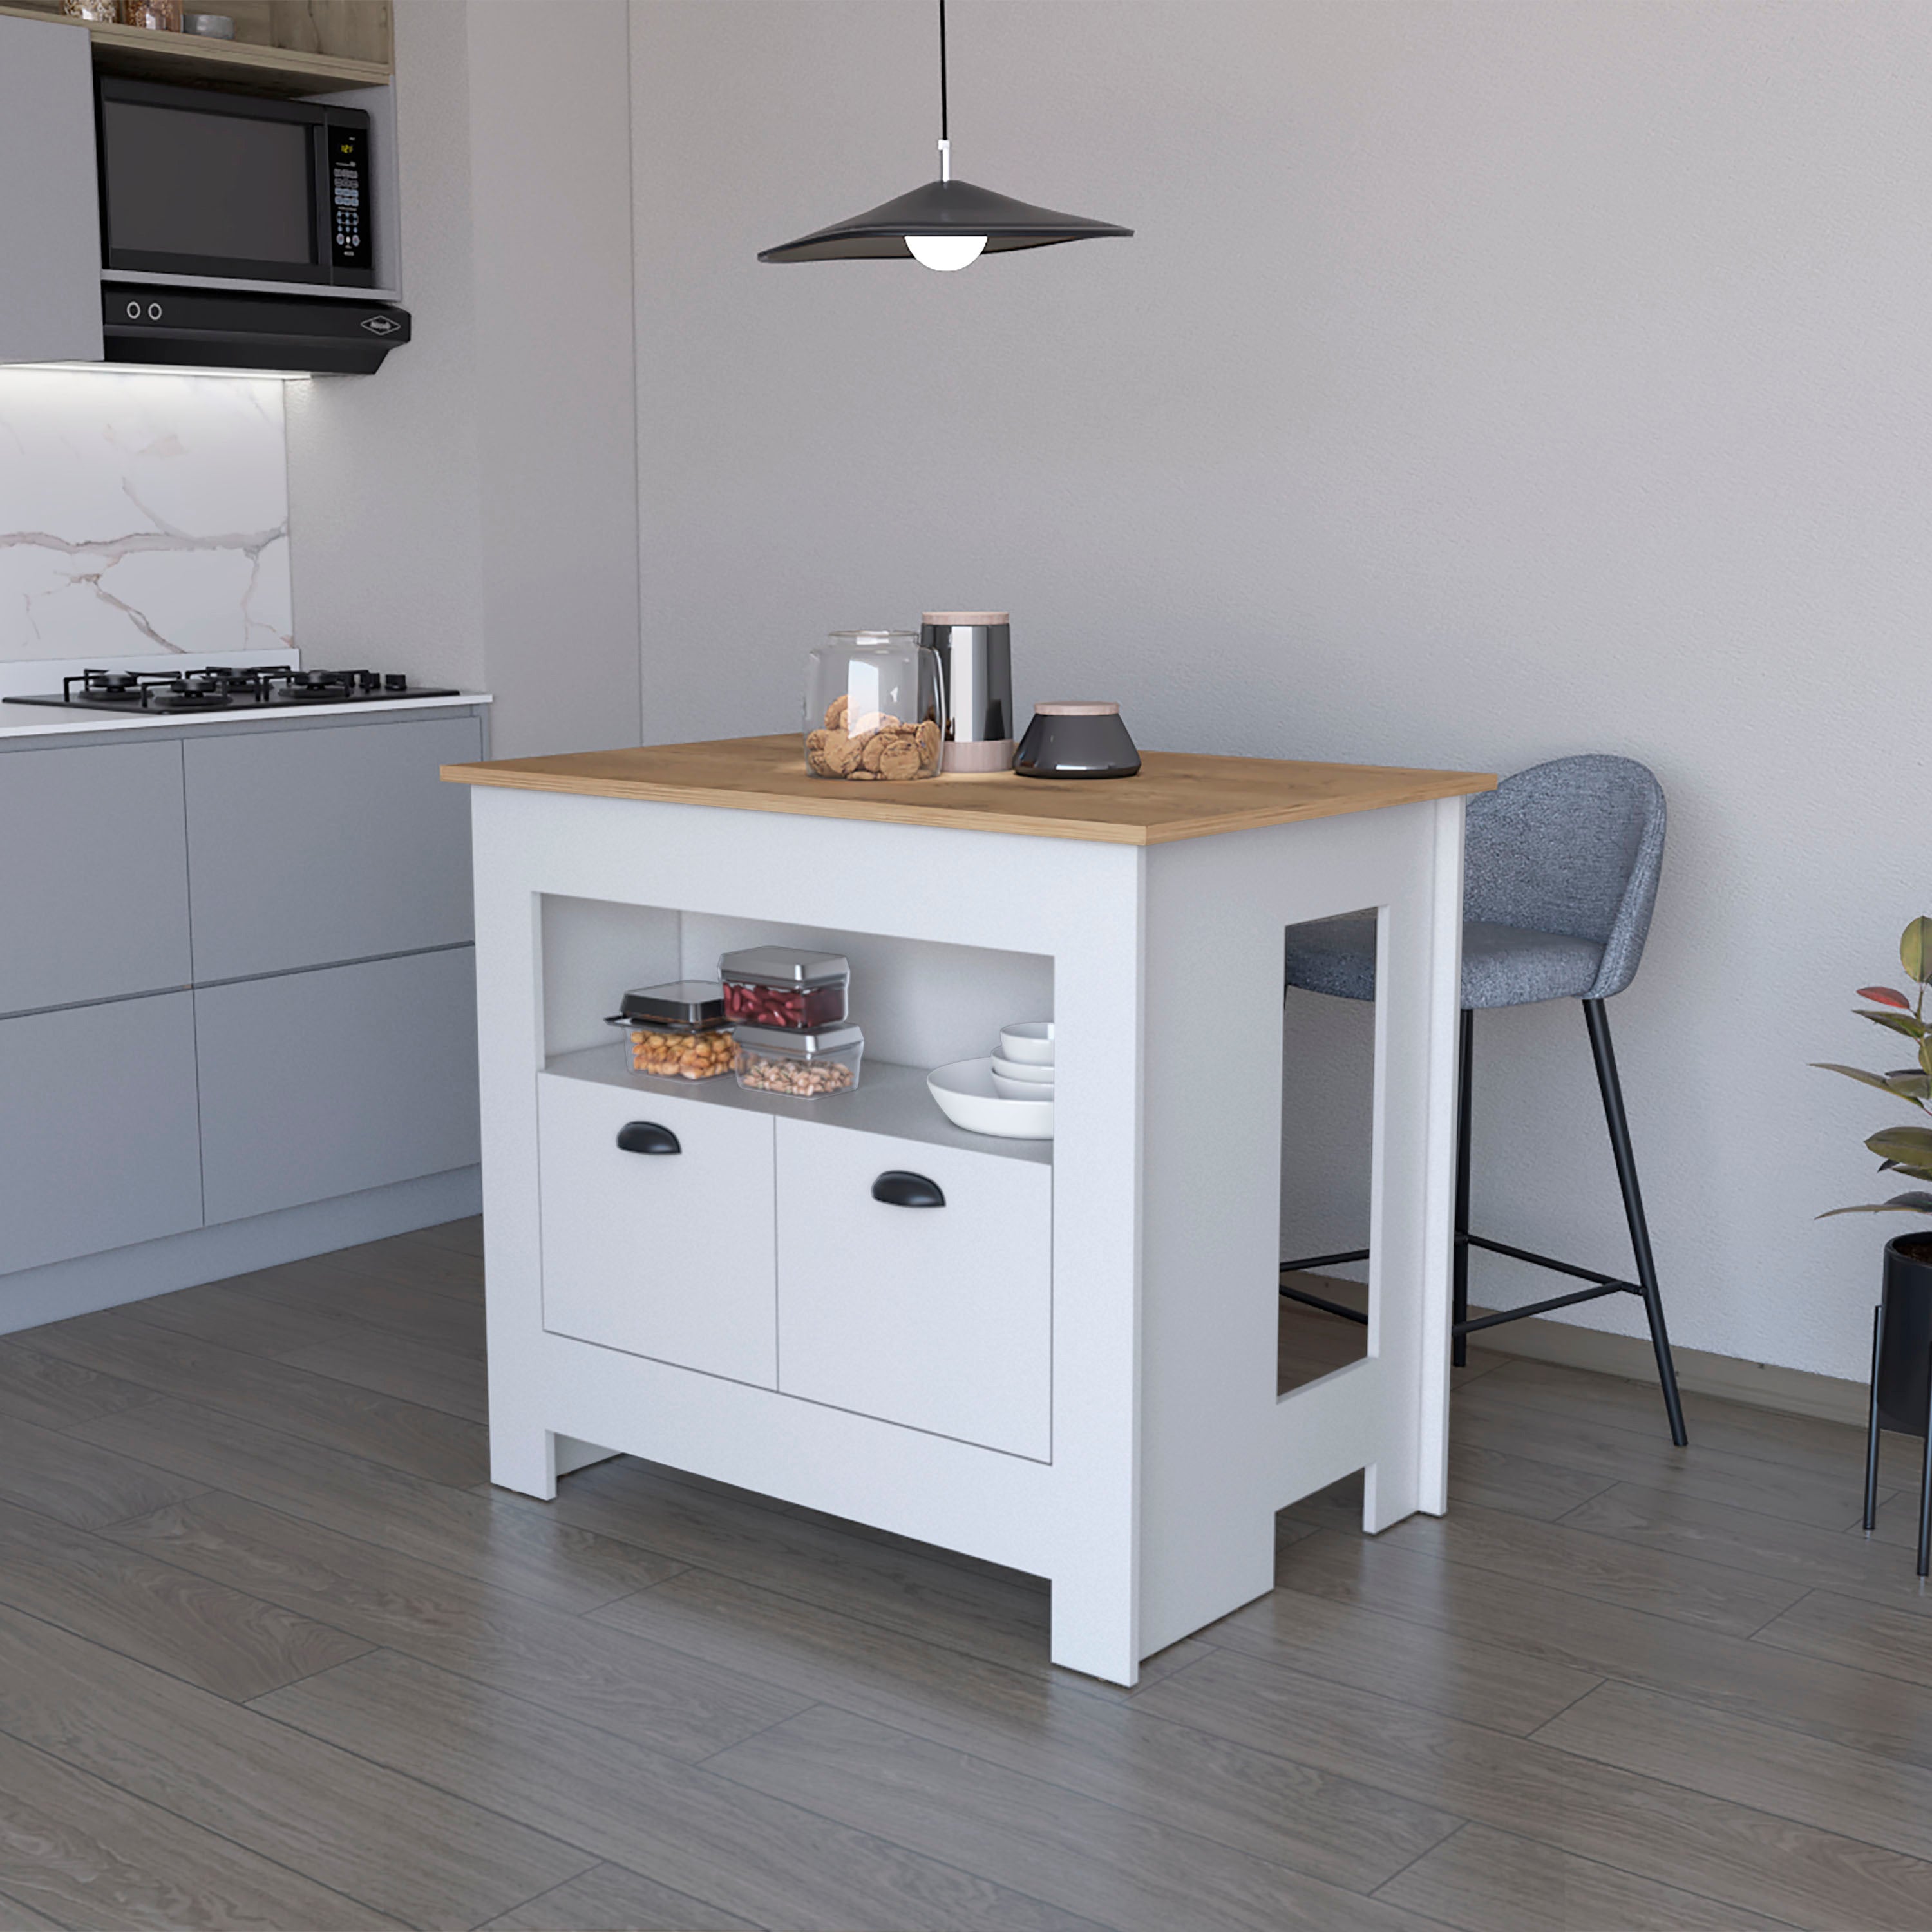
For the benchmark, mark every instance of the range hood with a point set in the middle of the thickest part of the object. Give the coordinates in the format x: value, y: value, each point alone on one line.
x: 158, y: 325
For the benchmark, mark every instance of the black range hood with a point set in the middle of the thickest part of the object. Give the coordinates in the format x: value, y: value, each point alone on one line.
x: 202, y: 328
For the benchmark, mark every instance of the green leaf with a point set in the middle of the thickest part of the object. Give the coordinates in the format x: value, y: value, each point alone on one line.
x: 1910, y: 1084
x: 1880, y: 1080
x: 1916, y: 1203
x: 1883, y: 996
x: 1915, y: 950
x: 1909, y: 1146
x: 1899, y: 1167
x: 1903, y: 1023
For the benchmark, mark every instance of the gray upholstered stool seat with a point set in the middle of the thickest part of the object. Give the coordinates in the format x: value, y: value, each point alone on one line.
x: 1502, y: 965
x: 1561, y: 867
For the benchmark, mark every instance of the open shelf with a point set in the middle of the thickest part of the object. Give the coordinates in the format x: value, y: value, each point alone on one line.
x: 249, y: 64
x: 889, y: 1099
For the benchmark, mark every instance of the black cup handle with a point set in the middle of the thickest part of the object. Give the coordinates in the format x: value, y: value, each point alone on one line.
x: 647, y: 1137
x: 898, y: 1188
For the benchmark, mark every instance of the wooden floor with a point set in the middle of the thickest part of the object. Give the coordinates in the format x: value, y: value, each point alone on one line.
x: 274, y: 1655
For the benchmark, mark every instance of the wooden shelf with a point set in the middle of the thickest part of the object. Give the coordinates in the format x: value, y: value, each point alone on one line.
x: 244, y: 65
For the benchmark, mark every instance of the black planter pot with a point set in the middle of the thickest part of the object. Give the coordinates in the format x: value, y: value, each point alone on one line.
x: 1901, y: 1387
x: 1905, y: 1347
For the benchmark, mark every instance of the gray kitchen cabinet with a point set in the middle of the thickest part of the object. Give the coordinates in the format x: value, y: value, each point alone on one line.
x: 342, y: 843
x: 97, y: 1144
x: 94, y: 870
x: 320, y: 1084
x: 50, y: 212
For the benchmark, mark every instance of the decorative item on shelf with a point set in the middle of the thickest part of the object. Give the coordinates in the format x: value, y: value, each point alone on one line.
x: 1901, y: 1383
x: 209, y: 26
x: 775, y: 986
x: 974, y: 649
x: 1079, y: 738
x: 1009, y: 1095
x: 807, y: 1065
x: 678, y: 1031
x: 946, y: 224
x: 160, y: 16
x: 95, y: 13
x: 872, y: 707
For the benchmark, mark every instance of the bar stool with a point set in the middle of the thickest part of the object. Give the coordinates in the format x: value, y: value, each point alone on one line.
x: 1560, y: 865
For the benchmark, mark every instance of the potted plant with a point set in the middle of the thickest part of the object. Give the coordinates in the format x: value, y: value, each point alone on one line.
x: 1902, y: 1334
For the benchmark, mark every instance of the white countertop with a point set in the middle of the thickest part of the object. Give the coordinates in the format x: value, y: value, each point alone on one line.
x: 33, y: 721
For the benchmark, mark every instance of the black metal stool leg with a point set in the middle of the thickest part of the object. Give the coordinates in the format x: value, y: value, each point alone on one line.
x: 1598, y: 1020
x: 1459, y: 1352
x: 1871, y: 1425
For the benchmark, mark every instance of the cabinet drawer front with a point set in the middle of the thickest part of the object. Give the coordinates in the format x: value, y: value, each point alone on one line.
x: 940, y: 1318
x: 97, y: 1145
x: 373, y: 849
x: 95, y: 876
x: 667, y: 1255
x: 314, y: 1085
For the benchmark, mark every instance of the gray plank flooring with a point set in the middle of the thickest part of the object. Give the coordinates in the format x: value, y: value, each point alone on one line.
x: 274, y: 1655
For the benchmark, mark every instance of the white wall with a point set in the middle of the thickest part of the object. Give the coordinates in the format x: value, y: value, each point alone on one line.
x: 469, y: 514
x: 1484, y: 383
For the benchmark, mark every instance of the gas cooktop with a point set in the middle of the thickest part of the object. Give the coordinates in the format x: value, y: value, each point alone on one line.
x: 221, y: 688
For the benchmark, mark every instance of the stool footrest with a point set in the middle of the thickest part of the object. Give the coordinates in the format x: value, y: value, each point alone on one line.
x: 1544, y: 1307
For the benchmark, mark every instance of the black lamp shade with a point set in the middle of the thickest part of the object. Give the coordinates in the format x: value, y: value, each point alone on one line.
x: 941, y: 207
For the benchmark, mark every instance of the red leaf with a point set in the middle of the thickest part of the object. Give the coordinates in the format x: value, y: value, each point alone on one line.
x: 1886, y: 997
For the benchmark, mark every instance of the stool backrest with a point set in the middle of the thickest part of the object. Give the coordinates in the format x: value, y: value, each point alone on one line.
x: 1575, y: 847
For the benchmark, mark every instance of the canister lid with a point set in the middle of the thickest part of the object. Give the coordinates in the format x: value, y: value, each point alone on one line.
x: 690, y: 1002
x: 786, y: 1039
x: 965, y: 616
x: 780, y: 966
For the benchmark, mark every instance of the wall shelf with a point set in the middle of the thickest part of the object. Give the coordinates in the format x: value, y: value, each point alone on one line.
x: 188, y: 59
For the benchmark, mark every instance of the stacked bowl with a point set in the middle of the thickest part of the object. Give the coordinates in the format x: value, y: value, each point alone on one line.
x: 1010, y: 1094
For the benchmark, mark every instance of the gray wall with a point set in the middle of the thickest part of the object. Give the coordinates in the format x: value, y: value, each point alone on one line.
x: 1485, y: 383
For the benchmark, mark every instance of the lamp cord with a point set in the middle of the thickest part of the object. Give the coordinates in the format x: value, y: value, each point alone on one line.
x: 944, y: 131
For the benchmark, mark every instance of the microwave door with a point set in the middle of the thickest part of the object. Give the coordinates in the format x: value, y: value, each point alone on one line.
x: 200, y: 184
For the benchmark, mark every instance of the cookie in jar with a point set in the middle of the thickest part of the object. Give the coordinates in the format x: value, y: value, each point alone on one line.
x: 872, y: 708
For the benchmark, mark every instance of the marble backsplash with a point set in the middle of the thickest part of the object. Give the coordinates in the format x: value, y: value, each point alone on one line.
x: 141, y: 514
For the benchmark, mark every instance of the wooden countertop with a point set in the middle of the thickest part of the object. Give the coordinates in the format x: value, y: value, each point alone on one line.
x: 1176, y: 795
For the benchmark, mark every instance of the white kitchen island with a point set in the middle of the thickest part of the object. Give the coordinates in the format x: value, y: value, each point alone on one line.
x: 1069, y: 1369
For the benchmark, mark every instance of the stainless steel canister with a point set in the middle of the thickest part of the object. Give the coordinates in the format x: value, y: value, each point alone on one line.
x: 976, y: 660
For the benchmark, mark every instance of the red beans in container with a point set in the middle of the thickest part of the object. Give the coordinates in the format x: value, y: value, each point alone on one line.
x: 773, y: 986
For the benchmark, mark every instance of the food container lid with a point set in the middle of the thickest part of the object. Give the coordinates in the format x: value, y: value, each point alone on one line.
x: 787, y: 1039
x: 687, y: 1003
x: 778, y: 966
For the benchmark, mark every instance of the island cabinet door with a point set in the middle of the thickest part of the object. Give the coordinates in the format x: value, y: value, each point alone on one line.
x: 940, y: 1317
x: 657, y: 1226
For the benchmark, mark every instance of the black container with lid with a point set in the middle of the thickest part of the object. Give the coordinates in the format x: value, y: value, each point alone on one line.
x: 681, y: 1003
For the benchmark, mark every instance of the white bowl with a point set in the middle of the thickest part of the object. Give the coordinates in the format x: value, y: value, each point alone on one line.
x: 1011, y: 1088
x: 965, y: 1094
x: 1030, y: 1041
x: 1018, y: 1069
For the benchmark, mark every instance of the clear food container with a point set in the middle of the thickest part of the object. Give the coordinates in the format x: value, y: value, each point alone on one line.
x: 873, y: 709
x: 805, y: 1064
x: 773, y: 986
x: 678, y: 1031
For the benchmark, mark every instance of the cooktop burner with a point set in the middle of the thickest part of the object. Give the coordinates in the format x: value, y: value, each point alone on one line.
x: 223, y: 688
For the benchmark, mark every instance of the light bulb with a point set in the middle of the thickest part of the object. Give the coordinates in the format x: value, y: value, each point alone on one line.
x: 945, y: 252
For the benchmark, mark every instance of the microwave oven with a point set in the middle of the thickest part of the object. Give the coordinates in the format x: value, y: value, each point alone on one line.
x: 196, y: 185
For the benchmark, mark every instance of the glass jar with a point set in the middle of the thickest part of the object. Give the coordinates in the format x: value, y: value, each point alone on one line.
x: 97, y: 13
x: 163, y: 16
x: 873, y: 709
x: 773, y: 986
x: 805, y: 1065
x: 678, y: 1031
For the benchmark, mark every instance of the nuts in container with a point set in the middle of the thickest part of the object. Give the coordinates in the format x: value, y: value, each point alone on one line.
x: 872, y: 707
x: 678, y: 1031
x: 805, y: 1065
x: 773, y: 986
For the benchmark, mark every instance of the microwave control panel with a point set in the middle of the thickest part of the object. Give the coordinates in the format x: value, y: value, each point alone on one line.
x: 350, y: 243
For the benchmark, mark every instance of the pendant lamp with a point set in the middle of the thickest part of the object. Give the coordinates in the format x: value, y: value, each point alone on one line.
x: 946, y: 224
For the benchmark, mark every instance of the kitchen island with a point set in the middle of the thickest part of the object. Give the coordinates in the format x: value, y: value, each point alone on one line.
x: 1069, y: 1369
